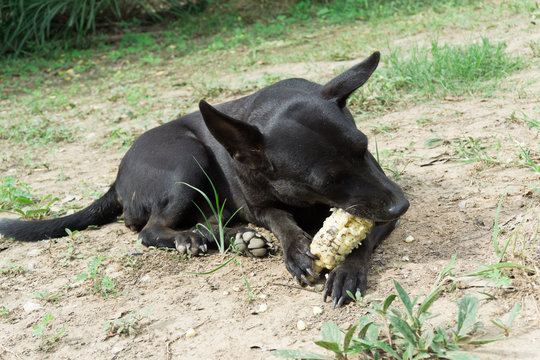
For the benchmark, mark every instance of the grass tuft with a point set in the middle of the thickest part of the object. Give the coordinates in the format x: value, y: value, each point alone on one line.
x: 454, y: 69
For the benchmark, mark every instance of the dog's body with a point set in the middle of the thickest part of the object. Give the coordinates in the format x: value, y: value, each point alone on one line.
x: 284, y: 155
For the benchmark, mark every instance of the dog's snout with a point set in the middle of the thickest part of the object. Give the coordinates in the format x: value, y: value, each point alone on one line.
x: 398, y: 209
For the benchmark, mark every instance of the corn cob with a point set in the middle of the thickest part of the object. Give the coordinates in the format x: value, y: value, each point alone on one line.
x: 340, y: 234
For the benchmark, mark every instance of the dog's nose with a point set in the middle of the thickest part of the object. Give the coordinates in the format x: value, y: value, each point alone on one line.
x: 398, y: 209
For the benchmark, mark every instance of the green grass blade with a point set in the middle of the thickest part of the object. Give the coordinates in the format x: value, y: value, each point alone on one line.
x: 428, y: 301
x: 213, y: 270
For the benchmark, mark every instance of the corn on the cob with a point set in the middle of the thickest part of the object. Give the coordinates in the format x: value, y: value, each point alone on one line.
x: 340, y: 234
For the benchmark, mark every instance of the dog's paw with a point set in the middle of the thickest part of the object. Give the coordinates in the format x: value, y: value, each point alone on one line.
x: 299, y: 259
x: 251, y: 243
x: 342, y: 279
x: 190, y: 242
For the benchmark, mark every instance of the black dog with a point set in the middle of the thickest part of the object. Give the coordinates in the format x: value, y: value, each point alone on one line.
x: 285, y: 155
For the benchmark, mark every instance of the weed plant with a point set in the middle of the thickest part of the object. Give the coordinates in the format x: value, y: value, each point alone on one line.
x: 100, y: 283
x: 404, y: 334
x: 128, y: 324
x: 217, y: 208
x: 47, y: 338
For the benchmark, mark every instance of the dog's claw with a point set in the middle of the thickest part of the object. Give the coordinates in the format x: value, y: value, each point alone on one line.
x: 311, y: 256
x: 203, y: 248
x: 305, y: 280
x: 312, y: 274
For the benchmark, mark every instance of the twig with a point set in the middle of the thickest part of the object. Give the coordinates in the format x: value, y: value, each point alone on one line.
x: 295, y: 287
x: 167, y: 346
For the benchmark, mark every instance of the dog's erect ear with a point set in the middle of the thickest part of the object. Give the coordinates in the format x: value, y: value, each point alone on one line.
x: 243, y: 141
x: 339, y: 88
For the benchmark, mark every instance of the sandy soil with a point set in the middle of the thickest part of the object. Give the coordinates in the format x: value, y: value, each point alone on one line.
x: 453, y: 207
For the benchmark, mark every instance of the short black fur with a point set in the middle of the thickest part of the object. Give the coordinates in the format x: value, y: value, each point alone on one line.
x: 285, y: 155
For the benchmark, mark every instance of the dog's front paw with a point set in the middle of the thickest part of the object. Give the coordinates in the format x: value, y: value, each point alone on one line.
x: 299, y: 259
x: 345, y: 277
x: 190, y: 242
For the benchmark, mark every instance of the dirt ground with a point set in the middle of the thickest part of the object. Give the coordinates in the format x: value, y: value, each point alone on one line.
x: 453, y: 207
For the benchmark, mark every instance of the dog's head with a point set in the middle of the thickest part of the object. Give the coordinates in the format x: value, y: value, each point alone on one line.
x: 301, y: 138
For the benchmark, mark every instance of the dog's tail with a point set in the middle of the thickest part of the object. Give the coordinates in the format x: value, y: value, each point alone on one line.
x: 102, y: 211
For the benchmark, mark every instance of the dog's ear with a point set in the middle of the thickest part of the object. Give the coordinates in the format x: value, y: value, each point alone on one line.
x: 342, y: 86
x: 244, y: 142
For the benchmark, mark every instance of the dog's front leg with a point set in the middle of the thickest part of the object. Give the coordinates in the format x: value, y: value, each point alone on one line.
x: 351, y: 275
x: 294, y: 241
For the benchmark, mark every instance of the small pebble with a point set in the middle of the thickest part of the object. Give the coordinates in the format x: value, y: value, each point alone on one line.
x: 31, y: 306
x: 317, y: 311
x: 262, y: 308
x: 462, y: 204
x: 405, y: 258
x: 225, y: 293
x: 236, y: 289
x: 409, y: 239
x: 33, y: 252
x: 190, y: 333
x: 301, y: 325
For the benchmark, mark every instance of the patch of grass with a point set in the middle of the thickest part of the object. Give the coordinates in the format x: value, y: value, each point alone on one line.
x: 391, y: 162
x: 469, y: 150
x: 41, y: 131
x: 528, y: 158
x: 10, y: 268
x: 46, y: 296
x: 127, y: 324
x: 403, y: 334
x: 521, y: 116
x: 15, y: 197
x: 99, y: 282
x: 501, y: 272
x: 454, y: 69
x: 48, y: 338
x: 435, y: 72
x: 122, y: 138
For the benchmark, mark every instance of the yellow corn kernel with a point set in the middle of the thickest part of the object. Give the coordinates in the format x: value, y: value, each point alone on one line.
x: 340, y: 234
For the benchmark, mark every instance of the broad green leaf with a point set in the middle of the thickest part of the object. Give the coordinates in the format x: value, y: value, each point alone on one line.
x: 299, y: 354
x: 385, y: 347
x: 513, y: 314
x: 364, y: 326
x: 331, y: 333
x: 388, y: 301
x: 428, y: 301
x: 483, y: 341
x: 404, y: 328
x: 348, y: 337
x: 467, y: 313
x: 404, y: 297
x: 329, y: 345
x: 458, y: 355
